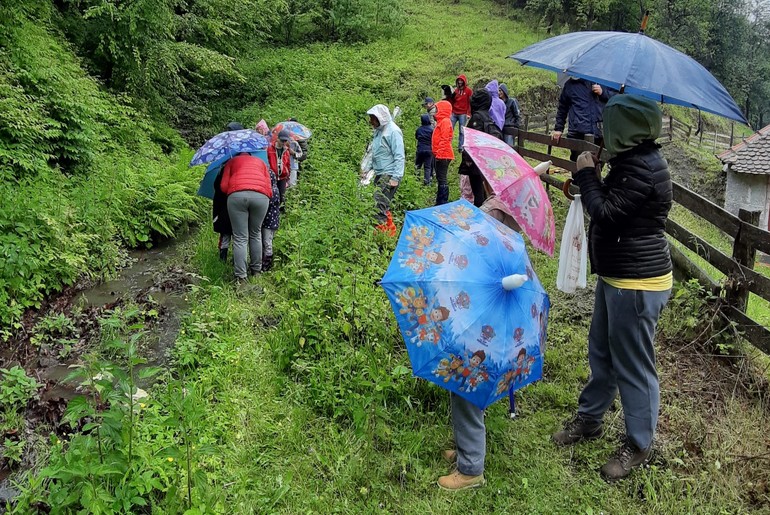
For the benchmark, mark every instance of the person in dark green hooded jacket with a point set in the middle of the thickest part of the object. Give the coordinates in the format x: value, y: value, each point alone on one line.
x: 629, y: 252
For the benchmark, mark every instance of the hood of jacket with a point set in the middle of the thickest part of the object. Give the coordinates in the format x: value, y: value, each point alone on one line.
x: 481, y: 100
x: 493, y: 88
x: 382, y: 113
x: 443, y: 110
x: 463, y: 78
x: 425, y: 119
x: 505, y: 91
x: 629, y: 120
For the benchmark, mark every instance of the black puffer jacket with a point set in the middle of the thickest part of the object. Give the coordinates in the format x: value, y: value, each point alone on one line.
x: 480, y: 120
x: 628, y: 214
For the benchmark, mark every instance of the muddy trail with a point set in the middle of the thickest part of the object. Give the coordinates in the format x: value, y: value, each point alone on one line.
x: 71, y: 327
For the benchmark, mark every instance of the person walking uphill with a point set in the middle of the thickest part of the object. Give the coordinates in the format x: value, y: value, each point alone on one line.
x: 629, y: 252
x: 388, y: 163
x: 424, y: 156
x: 441, y: 146
x: 246, y: 181
x: 461, y: 106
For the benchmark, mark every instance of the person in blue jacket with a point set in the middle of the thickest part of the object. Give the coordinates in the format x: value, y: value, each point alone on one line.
x: 387, y: 162
x: 581, y: 103
x: 424, y: 156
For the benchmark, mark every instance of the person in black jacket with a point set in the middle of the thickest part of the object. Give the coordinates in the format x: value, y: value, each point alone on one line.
x: 582, y: 103
x: 221, y: 218
x: 424, y: 156
x: 480, y: 120
x: 512, y: 112
x: 629, y: 252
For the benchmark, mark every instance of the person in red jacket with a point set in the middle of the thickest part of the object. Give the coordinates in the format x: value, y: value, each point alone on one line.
x: 279, y: 155
x: 246, y: 182
x: 441, y: 145
x: 461, y: 106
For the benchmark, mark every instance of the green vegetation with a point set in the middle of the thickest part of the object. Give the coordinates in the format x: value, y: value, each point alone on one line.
x: 299, y: 398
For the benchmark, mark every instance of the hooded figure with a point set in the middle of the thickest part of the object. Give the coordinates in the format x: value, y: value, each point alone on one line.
x: 234, y: 126
x: 480, y: 120
x: 387, y: 144
x: 629, y: 251
x: 512, y: 111
x: 497, y: 110
x: 423, y: 158
x: 262, y: 128
x: 442, y: 149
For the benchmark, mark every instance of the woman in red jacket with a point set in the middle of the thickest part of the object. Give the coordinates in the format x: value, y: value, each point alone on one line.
x: 441, y: 144
x: 246, y: 182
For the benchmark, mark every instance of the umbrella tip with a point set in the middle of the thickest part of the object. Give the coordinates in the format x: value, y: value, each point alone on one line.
x: 511, y: 282
x: 543, y: 167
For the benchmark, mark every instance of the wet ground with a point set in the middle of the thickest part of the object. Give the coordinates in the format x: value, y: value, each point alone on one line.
x: 70, y: 325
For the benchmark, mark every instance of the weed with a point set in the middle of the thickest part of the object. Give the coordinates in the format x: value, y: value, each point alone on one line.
x: 16, y: 388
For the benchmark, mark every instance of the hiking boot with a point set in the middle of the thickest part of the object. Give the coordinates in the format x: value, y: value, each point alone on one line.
x: 458, y: 481
x: 578, y: 429
x: 267, y: 263
x: 628, y: 457
x: 223, y: 255
x: 449, y: 455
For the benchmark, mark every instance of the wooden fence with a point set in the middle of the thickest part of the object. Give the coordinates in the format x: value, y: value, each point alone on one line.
x: 742, y: 229
x: 673, y: 129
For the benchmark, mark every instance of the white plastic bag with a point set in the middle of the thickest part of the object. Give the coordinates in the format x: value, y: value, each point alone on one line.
x: 573, y: 253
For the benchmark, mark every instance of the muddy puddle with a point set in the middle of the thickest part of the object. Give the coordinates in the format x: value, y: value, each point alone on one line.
x: 52, y: 341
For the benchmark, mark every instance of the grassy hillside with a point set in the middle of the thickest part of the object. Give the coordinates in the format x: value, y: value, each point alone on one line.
x: 298, y: 398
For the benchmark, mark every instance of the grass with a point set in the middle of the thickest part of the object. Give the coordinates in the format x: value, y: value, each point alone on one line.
x: 309, y: 395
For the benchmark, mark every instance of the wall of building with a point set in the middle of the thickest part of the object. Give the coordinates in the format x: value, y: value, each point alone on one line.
x: 748, y: 191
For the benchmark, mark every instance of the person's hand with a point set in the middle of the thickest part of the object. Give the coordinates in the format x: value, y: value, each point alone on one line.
x: 586, y: 160
x: 556, y: 136
x: 597, y: 89
x: 393, y: 183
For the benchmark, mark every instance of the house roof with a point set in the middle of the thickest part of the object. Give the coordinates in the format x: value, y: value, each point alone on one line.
x: 752, y: 155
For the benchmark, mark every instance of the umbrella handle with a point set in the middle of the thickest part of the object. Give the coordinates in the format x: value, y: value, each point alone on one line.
x: 565, y: 189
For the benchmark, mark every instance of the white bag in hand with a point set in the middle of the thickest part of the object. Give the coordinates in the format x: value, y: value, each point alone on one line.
x: 573, y: 253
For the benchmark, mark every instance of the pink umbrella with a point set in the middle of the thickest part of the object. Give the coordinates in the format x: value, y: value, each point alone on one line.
x: 516, y: 184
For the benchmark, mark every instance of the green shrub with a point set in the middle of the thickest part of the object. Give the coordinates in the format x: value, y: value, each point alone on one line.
x: 16, y: 388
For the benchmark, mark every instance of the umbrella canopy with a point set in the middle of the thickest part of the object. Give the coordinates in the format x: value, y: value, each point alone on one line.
x: 206, y: 187
x: 471, y: 310
x: 298, y: 131
x: 635, y: 63
x: 225, y: 145
x: 516, y: 184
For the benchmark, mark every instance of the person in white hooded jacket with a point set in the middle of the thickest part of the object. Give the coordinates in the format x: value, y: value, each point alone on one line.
x: 388, y: 161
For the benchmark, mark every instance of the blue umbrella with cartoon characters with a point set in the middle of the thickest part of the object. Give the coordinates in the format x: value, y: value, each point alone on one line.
x: 471, y: 310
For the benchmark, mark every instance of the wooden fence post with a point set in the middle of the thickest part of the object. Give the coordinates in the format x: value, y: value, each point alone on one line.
x: 732, y: 134
x: 745, y: 254
x: 715, y: 141
x: 670, y: 127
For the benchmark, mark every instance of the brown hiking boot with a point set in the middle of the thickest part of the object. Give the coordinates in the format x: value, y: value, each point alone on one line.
x: 578, y: 429
x: 628, y: 457
x: 449, y: 455
x: 457, y: 481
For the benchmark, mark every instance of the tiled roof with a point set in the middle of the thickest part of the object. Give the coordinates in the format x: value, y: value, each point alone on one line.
x: 752, y: 155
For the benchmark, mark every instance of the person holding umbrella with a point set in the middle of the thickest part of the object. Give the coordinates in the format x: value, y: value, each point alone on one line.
x: 481, y: 120
x: 582, y: 102
x: 629, y: 252
x: 246, y: 182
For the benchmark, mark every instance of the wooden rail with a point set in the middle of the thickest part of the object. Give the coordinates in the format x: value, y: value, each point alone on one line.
x: 747, y: 239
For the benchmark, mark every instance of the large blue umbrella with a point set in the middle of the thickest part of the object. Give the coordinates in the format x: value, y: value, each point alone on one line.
x: 471, y: 310
x: 225, y: 145
x: 633, y: 63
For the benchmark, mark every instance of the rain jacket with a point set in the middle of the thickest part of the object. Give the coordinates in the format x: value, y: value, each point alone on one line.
x: 582, y: 106
x: 629, y: 208
x: 497, y: 111
x: 281, y: 168
x: 461, y: 99
x: 512, y: 111
x: 387, y: 144
x: 442, y: 135
x: 245, y: 172
x: 424, y: 134
x: 219, y: 208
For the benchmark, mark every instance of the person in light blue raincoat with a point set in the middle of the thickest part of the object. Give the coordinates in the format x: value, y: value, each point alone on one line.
x: 388, y: 161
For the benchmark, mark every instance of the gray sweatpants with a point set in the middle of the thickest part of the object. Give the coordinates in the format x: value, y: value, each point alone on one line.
x: 247, y: 210
x: 470, y: 436
x: 621, y: 353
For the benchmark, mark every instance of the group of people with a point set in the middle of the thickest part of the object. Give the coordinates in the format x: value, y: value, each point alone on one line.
x: 628, y: 249
x: 249, y: 197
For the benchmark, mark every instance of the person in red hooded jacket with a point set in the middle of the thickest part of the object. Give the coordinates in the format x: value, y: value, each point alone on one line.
x: 441, y: 145
x: 279, y: 155
x: 461, y: 106
x: 246, y: 182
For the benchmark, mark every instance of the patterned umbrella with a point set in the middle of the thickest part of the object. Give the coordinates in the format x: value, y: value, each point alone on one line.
x: 516, y: 184
x: 298, y: 131
x: 471, y: 310
x: 225, y: 145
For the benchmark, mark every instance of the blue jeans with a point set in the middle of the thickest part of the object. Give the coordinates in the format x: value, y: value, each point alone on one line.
x: 463, y: 119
